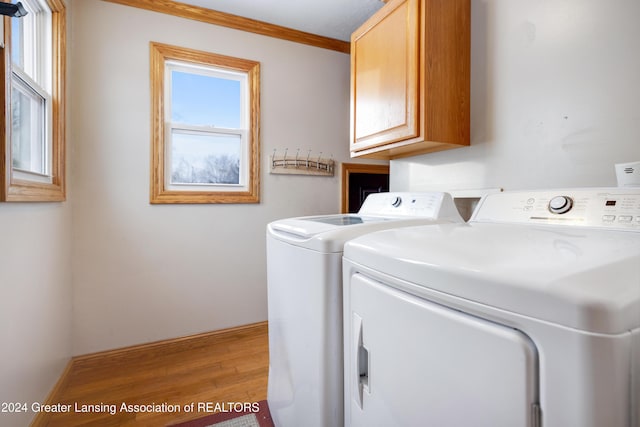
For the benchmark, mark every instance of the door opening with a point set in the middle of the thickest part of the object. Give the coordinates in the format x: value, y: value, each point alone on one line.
x: 360, y: 180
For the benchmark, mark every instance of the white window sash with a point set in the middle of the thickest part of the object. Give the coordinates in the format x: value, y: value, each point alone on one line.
x: 207, y: 130
x: 25, y: 84
x: 36, y: 77
x: 37, y: 39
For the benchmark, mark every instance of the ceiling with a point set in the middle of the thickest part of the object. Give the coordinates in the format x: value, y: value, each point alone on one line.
x: 330, y: 18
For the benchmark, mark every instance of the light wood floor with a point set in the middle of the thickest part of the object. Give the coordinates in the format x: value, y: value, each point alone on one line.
x: 227, y: 366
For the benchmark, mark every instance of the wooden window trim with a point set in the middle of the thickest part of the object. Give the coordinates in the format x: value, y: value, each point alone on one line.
x: 348, y: 169
x: 15, y: 190
x: 160, y: 53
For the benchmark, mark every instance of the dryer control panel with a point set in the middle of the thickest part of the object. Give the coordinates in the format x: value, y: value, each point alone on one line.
x: 610, y: 208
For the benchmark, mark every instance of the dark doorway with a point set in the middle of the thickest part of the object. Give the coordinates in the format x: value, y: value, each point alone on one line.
x: 360, y: 180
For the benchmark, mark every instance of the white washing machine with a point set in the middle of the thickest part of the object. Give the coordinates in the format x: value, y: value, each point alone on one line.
x: 304, y: 273
x: 528, y: 315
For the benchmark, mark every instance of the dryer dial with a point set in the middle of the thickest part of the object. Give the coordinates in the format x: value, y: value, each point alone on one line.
x: 396, y: 202
x: 560, y: 204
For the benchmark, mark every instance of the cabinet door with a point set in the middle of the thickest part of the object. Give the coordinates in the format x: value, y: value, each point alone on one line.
x: 384, y: 76
x: 411, y: 362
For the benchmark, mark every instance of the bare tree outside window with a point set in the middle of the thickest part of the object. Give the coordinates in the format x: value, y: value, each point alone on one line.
x: 221, y: 169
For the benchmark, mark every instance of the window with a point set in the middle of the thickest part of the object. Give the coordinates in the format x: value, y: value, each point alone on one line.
x: 205, y: 110
x: 33, y: 167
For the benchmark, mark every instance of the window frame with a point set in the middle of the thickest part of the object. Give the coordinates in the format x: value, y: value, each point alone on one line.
x: 161, y: 190
x: 16, y: 185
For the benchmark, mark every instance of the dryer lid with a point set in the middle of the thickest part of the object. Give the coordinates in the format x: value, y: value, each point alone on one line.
x: 577, y: 277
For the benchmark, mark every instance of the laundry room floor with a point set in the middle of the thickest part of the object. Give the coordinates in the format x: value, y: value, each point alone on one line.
x: 211, y: 371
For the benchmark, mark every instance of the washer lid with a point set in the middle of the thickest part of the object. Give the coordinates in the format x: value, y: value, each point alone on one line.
x: 581, y: 278
x: 307, y: 227
x: 328, y: 233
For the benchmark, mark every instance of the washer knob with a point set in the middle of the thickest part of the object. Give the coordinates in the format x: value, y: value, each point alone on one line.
x: 396, y: 202
x: 560, y: 204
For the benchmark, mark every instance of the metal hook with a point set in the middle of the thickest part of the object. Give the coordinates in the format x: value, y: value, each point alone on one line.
x: 297, y: 153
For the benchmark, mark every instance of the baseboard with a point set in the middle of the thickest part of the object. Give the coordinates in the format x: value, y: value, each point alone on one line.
x: 40, y: 419
x: 172, y: 344
x: 186, y: 341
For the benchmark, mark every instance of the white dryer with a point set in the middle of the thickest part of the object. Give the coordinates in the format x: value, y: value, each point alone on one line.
x: 528, y: 315
x: 304, y: 274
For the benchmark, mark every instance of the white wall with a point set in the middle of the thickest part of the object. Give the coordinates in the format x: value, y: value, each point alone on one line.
x: 144, y: 273
x: 35, y: 302
x: 555, y: 98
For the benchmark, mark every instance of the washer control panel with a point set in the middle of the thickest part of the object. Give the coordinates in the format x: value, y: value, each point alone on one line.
x: 406, y: 204
x: 611, y: 208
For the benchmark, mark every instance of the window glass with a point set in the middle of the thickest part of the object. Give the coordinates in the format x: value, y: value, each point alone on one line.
x: 202, y: 158
x: 204, y: 100
x: 27, y: 129
x: 17, y: 41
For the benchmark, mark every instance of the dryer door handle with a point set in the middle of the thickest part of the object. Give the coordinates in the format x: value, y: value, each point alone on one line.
x: 361, y: 359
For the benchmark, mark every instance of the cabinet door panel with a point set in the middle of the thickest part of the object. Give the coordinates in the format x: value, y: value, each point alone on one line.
x: 385, y: 57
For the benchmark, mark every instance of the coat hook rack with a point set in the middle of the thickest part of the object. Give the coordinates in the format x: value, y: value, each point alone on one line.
x: 286, y: 163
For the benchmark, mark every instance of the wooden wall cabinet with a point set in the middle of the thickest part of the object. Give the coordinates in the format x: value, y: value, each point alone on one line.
x: 410, y: 83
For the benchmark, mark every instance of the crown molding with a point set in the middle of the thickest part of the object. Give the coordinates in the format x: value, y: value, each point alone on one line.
x: 210, y: 16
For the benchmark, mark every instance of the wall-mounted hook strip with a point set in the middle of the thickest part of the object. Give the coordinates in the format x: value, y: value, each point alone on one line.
x: 293, y: 165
